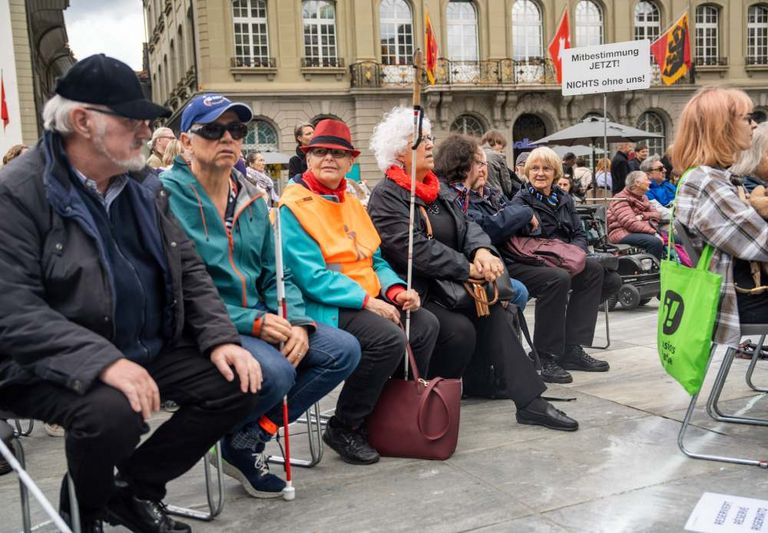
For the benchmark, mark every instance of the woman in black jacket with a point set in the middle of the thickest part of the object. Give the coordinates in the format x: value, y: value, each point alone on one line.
x: 563, y: 322
x: 455, y: 249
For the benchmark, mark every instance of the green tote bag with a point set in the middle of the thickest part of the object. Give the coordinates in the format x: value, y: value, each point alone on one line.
x: 688, y: 308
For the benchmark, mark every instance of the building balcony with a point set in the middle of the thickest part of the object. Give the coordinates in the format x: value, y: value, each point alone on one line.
x: 249, y: 66
x: 711, y: 61
x: 322, y: 66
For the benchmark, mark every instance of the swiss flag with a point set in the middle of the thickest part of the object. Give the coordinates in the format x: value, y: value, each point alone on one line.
x: 560, y: 42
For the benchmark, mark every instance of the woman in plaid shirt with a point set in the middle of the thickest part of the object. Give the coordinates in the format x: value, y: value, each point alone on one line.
x: 715, y: 126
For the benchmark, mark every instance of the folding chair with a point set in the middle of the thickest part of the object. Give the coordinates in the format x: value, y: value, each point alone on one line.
x: 315, y: 421
x: 215, y: 501
x: 682, y: 236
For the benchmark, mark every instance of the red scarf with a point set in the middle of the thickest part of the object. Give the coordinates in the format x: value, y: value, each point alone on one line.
x: 426, y: 190
x: 316, y: 187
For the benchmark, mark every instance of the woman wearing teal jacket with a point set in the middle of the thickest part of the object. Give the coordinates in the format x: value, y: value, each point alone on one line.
x: 227, y: 218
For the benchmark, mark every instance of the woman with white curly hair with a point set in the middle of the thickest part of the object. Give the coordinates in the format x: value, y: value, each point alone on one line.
x: 449, y: 246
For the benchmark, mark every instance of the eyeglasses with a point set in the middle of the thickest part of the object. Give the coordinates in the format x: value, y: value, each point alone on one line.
x: 749, y: 118
x: 481, y: 164
x: 659, y: 169
x: 545, y: 169
x: 215, y: 131
x: 132, y: 123
x: 322, y: 152
x: 429, y: 138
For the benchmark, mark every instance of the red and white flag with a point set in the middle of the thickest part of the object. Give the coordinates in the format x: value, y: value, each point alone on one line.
x: 4, y: 116
x: 560, y: 42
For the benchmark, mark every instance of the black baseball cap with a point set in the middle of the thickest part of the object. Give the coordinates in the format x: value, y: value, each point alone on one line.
x: 103, y: 80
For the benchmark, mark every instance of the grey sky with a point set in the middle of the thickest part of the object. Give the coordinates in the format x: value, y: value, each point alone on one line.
x: 114, y: 27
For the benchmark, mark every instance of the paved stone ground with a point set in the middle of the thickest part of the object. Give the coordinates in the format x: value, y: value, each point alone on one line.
x: 621, y: 471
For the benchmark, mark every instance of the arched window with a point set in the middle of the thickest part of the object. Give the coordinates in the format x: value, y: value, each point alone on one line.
x: 251, y: 33
x: 261, y: 137
x: 647, y: 21
x: 757, y: 35
x: 319, y: 33
x: 652, y: 122
x: 707, y: 35
x: 468, y: 125
x: 526, y: 30
x: 589, y: 23
x: 461, y: 18
x: 396, y: 29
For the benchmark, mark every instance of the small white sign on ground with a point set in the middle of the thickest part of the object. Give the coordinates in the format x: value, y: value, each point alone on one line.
x: 721, y: 513
x: 607, y: 68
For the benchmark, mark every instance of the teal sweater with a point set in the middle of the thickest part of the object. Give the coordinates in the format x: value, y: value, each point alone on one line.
x: 243, y: 269
x: 325, y: 290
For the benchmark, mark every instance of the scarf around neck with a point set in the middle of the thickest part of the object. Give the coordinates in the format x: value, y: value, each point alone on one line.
x: 552, y: 199
x: 426, y: 190
x: 314, y: 185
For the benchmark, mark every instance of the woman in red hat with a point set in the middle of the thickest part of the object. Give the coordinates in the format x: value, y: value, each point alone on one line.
x: 332, y: 249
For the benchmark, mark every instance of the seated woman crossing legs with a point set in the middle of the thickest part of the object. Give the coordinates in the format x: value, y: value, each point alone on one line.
x: 332, y: 248
x: 455, y: 249
x: 226, y: 216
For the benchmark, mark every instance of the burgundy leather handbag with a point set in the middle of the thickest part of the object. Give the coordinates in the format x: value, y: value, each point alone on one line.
x: 416, y: 418
x: 548, y: 252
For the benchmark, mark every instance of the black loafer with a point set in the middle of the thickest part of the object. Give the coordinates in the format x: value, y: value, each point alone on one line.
x: 144, y: 516
x: 549, y: 417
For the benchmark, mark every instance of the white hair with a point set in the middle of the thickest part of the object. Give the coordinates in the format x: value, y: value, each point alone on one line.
x: 649, y: 162
x: 633, y: 177
x: 391, y: 137
x: 748, y: 160
x: 56, y: 114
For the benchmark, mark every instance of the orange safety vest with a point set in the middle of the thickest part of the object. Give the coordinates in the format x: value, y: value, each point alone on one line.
x: 343, y: 230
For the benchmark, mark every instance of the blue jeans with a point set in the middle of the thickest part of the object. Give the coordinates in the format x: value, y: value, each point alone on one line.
x: 650, y: 243
x: 333, y: 355
x: 521, y: 294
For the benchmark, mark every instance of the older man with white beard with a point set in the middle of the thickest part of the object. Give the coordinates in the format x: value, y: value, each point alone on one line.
x: 106, y: 306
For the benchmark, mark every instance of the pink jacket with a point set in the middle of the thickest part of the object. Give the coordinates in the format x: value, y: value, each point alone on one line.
x: 622, y: 216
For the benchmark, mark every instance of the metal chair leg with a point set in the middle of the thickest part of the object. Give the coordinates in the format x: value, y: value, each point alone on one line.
x: 752, y: 364
x: 717, y: 388
x: 24, y: 432
x: 215, y: 501
x: 762, y: 463
x: 315, y: 422
x: 607, y: 329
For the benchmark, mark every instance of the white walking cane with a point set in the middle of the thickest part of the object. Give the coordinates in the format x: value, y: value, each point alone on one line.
x: 418, y: 116
x: 289, y: 492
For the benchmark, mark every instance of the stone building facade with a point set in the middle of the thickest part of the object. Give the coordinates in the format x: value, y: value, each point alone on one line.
x: 294, y: 61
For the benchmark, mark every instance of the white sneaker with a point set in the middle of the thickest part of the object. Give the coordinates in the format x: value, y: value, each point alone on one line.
x: 53, y: 430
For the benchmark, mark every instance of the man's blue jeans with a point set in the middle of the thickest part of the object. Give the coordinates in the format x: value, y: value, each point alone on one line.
x: 333, y: 355
x: 521, y: 294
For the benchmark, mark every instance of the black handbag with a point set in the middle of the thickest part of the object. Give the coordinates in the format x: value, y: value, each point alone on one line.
x: 453, y: 294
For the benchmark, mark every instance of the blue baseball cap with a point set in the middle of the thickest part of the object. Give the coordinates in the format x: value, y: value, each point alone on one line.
x: 206, y: 108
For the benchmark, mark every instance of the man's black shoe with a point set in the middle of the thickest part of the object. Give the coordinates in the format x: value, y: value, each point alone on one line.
x: 542, y: 413
x: 551, y: 372
x: 142, y: 516
x: 88, y: 524
x: 350, y: 444
x: 575, y: 358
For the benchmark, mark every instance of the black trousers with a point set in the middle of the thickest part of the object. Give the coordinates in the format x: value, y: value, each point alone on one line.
x: 463, y: 335
x: 561, y: 320
x: 103, y: 430
x: 383, y: 351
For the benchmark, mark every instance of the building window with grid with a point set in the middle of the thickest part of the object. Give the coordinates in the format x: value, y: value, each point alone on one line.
x: 396, y: 29
x: 249, y: 18
x: 468, y: 125
x: 653, y: 123
x: 707, y: 24
x: 589, y: 23
x: 261, y: 137
x: 461, y: 18
x: 647, y: 21
x: 320, y: 34
x: 526, y: 30
x: 757, y: 35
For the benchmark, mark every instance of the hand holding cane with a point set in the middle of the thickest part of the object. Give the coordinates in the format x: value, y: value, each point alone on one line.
x: 289, y: 492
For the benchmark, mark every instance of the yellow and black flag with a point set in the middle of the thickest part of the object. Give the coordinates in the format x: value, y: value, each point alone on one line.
x: 672, y: 51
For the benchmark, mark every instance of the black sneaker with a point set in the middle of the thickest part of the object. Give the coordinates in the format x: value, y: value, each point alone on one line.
x: 551, y: 372
x: 145, y: 516
x: 575, y: 358
x: 350, y: 444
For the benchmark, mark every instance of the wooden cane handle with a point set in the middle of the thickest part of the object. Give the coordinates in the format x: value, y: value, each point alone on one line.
x: 418, y: 67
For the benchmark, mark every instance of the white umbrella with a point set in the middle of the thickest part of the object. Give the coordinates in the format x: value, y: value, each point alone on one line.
x: 275, y: 158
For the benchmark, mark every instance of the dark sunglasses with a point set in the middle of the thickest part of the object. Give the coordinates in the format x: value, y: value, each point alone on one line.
x: 215, y: 131
x: 336, y: 154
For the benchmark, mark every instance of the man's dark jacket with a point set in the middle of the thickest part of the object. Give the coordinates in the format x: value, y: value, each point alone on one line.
x: 619, y: 171
x: 499, y: 219
x: 555, y: 222
x: 388, y: 207
x: 57, y: 310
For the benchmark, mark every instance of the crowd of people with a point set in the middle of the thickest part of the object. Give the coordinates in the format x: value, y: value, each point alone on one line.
x: 157, y: 278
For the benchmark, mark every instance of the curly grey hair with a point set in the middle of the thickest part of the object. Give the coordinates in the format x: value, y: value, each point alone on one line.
x: 748, y: 160
x: 392, y: 135
x: 647, y: 164
x: 632, y: 178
